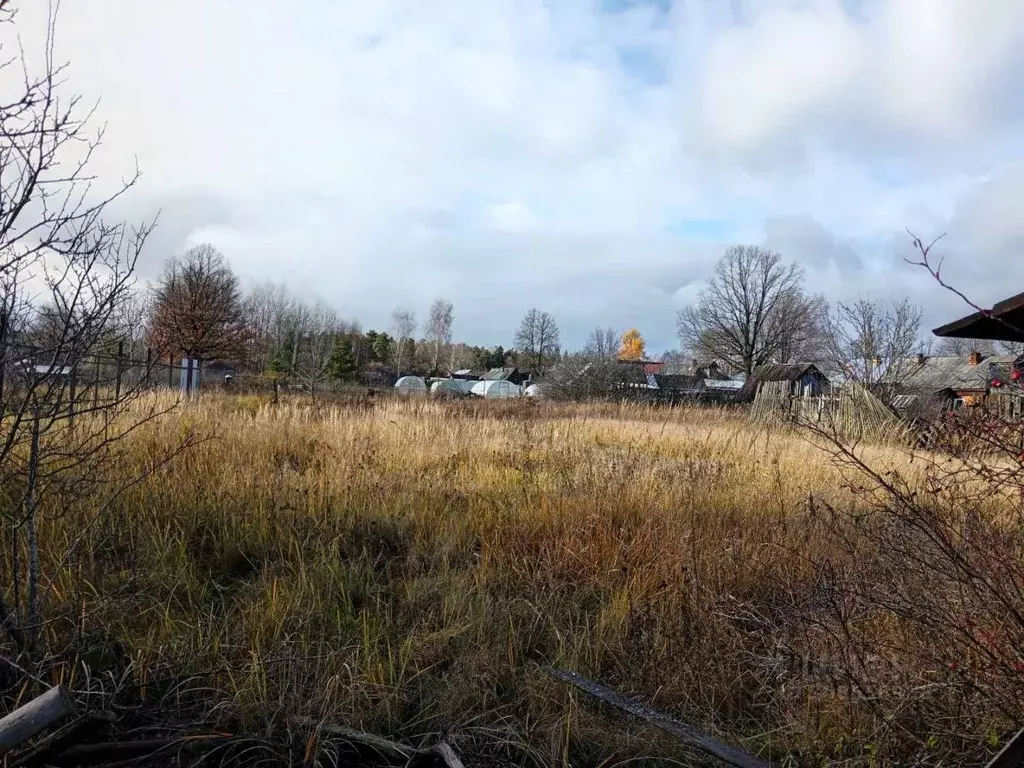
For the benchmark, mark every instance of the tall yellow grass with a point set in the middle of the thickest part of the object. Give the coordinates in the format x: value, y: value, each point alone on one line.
x: 407, y: 567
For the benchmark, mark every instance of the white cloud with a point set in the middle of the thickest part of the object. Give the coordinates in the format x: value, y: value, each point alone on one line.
x: 517, y: 153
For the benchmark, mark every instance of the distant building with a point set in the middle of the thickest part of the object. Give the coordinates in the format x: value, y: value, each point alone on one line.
x: 805, y: 379
x: 970, y: 377
x: 511, y: 374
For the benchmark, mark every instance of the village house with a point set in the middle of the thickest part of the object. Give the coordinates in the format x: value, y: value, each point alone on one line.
x: 967, y: 378
x: 981, y: 377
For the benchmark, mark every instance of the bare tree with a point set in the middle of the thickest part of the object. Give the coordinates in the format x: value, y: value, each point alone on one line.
x: 197, y: 308
x: 403, y: 326
x: 799, y: 328
x: 1015, y: 348
x: 752, y: 310
x: 439, y: 331
x: 963, y: 347
x: 315, y: 342
x: 460, y: 356
x: 66, y: 286
x: 537, y: 339
x: 270, y: 312
x: 602, y: 344
x: 873, y: 341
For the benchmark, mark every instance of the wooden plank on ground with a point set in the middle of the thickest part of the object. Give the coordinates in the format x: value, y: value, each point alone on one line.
x: 685, y: 733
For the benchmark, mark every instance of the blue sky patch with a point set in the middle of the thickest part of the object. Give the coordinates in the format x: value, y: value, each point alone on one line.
x: 702, y: 229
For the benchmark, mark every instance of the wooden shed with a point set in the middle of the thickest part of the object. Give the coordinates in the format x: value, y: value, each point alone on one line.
x: 804, y: 379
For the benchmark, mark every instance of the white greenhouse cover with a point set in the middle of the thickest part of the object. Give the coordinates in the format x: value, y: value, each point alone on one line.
x: 410, y: 384
x: 495, y: 390
x: 450, y: 386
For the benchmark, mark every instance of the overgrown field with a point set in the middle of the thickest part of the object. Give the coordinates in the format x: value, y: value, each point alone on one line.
x: 408, y: 568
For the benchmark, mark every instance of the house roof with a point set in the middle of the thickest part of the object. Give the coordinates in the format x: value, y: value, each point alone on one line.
x: 628, y: 373
x: 724, y: 385
x: 678, y: 382
x: 675, y: 369
x: 1004, y: 322
x: 499, y: 374
x: 776, y: 372
x: 930, y: 374
x: 611, y: 373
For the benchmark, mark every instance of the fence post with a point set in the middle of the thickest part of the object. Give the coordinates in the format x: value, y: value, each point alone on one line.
x: 73, y: 376
x: 96, y: 381
x: 120, y: 370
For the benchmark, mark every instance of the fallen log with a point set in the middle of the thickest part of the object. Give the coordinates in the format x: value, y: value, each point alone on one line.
x: 685, y: 733
x: 36, y: 716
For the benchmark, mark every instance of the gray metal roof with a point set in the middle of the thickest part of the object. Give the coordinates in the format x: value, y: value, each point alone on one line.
x: 724, y: 385
x: 679, y: 383
x: 951, y: 372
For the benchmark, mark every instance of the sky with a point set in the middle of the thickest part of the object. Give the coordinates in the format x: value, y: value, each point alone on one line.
x: 590, y: 158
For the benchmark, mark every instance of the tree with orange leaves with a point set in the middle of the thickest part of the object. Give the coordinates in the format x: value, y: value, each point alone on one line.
x: 632, y: 345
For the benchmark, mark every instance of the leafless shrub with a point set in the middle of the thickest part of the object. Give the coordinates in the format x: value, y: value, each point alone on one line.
x: 66, y: 292
x: 918, y: 605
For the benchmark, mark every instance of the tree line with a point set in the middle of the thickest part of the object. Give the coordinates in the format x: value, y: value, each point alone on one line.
x: 197, y: 309
x: 754, y: 309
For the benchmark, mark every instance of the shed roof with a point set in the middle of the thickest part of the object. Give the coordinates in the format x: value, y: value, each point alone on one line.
x: 776, y: 372
x: 1004, y: 322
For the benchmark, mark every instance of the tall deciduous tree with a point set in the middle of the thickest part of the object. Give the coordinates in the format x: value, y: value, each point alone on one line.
x: 962, y: 347
x: 315, y: 340
x: 403, y: 326
x: 632, y: 345
x: 751, y: 311
x: 874, y: 341
x: 537, y: 339
x: 271, y: 313
x: 601, y: 344
x: 198, y: 309
x: 439, y: 331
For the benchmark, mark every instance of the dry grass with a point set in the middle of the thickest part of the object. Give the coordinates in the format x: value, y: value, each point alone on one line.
x: 405, y: 568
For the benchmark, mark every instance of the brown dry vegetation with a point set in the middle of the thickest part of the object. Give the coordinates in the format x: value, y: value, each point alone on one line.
x: 406, y: 567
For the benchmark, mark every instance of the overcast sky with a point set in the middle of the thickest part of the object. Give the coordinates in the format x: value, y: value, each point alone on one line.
x: 591, y: 158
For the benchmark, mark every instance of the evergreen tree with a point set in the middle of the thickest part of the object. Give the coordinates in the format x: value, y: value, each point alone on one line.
x: 281, y: 362
x: 342, y: 366
x: 379, y: 345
